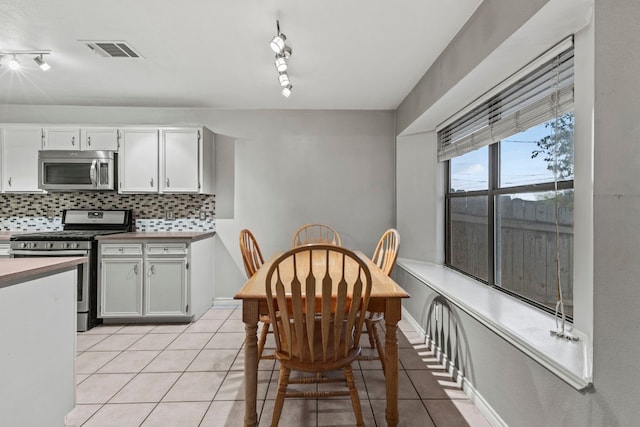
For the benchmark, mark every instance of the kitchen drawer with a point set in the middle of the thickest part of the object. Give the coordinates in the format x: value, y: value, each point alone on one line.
x: 121, y: 249
x: 156, y: 249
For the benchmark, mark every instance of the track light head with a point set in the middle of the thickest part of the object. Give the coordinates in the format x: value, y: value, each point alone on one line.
x: 41, y: 63
x: 280, y: 63
x: 286, y: 91
x: 284, y: 79
x: 13, y: 63
x: 277, y: 43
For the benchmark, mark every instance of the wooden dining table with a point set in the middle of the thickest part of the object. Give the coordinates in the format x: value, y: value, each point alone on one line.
x: 386, y: 297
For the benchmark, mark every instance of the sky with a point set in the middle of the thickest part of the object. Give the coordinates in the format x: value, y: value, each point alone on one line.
x: 470, y: 171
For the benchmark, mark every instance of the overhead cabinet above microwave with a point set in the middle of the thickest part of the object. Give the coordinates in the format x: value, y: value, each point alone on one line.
x: 77, y: 138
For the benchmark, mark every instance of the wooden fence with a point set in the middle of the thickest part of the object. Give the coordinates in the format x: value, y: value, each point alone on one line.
x: 526, y: 263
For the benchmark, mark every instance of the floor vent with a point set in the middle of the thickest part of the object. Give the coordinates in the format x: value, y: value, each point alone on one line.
x: 112, y: 49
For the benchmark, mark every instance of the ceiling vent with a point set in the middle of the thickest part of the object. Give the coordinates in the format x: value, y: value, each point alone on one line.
x: 112, y: 49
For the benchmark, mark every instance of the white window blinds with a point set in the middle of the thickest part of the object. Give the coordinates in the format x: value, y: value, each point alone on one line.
x: 535, y: 98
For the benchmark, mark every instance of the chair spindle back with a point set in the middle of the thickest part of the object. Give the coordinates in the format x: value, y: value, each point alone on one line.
x: 310, y: 234
x: 317, y: 298
x: 251, y: 255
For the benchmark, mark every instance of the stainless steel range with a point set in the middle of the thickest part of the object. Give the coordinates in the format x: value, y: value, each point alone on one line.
x: 78, y: 238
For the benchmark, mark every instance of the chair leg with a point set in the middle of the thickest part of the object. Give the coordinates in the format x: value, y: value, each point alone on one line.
x: 370, y: 332
x: 283, y: 381
x: 263, y: 339
x: 378, y: 341
x: 355, y: 399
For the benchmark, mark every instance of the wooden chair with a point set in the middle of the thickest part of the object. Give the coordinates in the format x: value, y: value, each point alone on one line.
x: 385, y: 257
x: 310, y: 234
x: 253, y: 260
x: 322, y: 332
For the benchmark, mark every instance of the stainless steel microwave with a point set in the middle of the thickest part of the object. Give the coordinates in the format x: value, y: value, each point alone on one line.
x: 60, y: 170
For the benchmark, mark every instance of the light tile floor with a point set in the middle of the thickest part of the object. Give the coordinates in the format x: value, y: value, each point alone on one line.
x: 192, y: 375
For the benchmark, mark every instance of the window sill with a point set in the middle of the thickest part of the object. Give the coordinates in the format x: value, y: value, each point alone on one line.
x: 525, y: 327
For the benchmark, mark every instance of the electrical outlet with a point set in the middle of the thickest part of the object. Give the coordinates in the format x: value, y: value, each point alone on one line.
x: 202, y: 215
x: 169, y: 215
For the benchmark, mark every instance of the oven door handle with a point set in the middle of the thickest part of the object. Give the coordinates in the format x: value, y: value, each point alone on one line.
x: 21, y: 252
x: 93, y: 173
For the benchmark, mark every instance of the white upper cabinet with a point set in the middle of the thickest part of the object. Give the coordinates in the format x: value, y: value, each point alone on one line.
x: 187, y: 157
x: 179, y: 164
x: 181, y: 161
x: 77, y: 138
x: 96, y: 138
x: 138, y: 161
x: 150, y: 159
x: 61, y: 138
x: 20, y: 159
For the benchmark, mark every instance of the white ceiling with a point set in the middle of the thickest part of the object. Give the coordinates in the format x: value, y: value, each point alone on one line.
x: 353, y: 54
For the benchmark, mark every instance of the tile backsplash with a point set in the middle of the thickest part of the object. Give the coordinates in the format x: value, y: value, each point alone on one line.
x: 44, y: 211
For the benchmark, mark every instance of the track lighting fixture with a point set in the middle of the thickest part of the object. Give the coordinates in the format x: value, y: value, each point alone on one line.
x: 14, y: 64
x: 283, y: 53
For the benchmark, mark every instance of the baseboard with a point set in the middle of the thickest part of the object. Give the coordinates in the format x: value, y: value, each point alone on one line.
x: 483, y: 406
x: 226, y: 302
x: 410, y: 320
x: 489, y: 413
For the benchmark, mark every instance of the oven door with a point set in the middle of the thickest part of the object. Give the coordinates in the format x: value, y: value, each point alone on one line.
x: 83, y: 271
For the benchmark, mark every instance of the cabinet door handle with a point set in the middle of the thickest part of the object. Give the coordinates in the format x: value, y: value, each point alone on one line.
x: 9, y: 181
x: 135, y: 269
x: 168, y: 183
x: 151, y: 182
x: 73, y: 140
x: 152, y: 270
x: 89, y: 140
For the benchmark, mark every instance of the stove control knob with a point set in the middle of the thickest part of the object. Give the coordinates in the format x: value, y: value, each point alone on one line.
x: 76, y: 245
x: 23, y: 245
x: 67, y: 245
x: 48, y: 245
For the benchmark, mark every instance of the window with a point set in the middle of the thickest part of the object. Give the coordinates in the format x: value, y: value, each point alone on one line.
x: 509, y: 198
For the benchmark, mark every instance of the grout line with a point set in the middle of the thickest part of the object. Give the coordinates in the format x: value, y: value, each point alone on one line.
x: 272, y: 376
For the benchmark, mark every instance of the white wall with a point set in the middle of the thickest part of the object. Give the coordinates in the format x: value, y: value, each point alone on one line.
x: 288, y: 167
x: 420, y: 199
x: 522, y: 392
x: 330, y: 167
x: 617, y: 209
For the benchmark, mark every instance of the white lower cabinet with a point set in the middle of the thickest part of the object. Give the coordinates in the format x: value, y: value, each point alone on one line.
x: 166, y: 287
x: 121, y: 292
x: 154, y: 283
